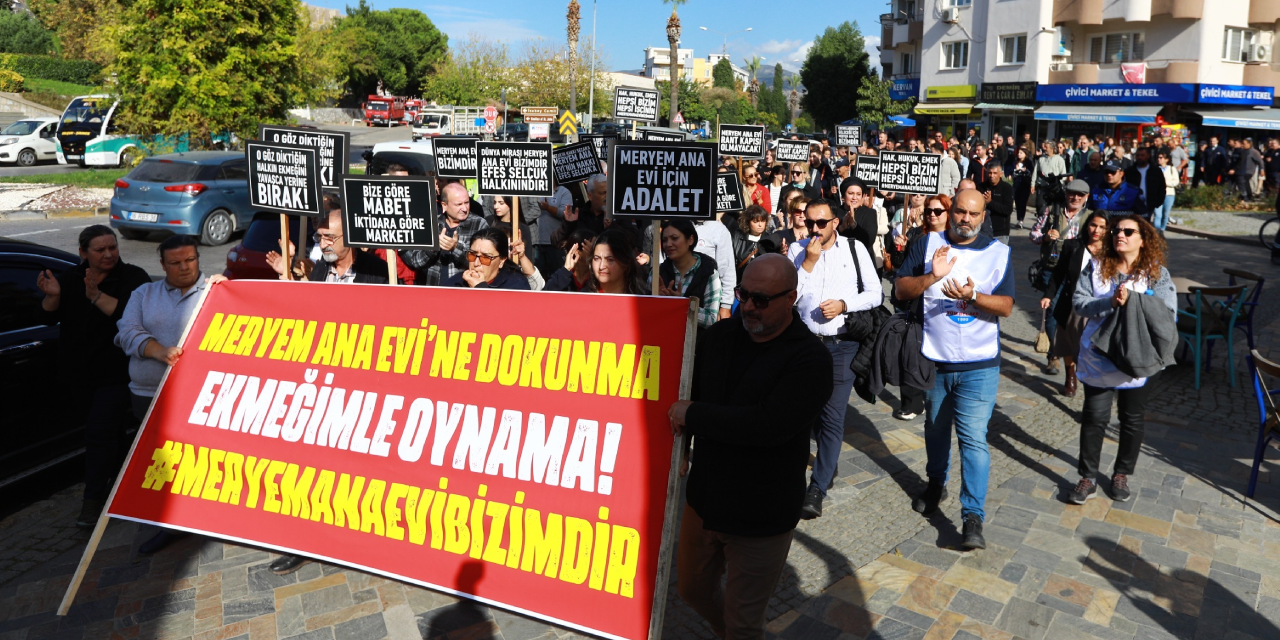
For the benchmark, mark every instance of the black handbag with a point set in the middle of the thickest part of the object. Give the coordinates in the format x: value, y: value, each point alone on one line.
x: 860, y: 326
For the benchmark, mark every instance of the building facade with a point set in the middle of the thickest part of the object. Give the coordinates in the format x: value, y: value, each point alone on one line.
x: 657, y: 65
x: 1061, y: 68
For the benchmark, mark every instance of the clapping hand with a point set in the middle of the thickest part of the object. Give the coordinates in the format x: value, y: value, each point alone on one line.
x: 571, y: 258
x: 642, y: 259
x: 447, y: 242
x: 1121, y: 296
x: 956, y: 291
x: 665, y: 289
x: 941, y: 267
x: 48, y: 284
x: 276, y: 262
x: 91, y: 287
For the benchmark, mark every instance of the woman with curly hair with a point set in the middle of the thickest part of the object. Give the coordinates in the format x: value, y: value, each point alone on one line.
x: 614, y: 268
x: 750, y: 239
x: 1133, y: 264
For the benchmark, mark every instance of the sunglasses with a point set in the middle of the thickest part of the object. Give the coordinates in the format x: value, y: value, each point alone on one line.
x: 1127, y: 231
x: 485, y: 260
x: 760, y: 300
x: 820, y: 223
x: 797, y: 173
x: 1076, y: 194
x: 938, y: 211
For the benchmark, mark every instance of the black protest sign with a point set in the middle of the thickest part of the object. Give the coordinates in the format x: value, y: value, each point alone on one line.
x: 741, y: 140
x: 848, y: 135
x: 331, y: 145
x: 867, y: 170
x: 455, y: 157
x: 663, y: 180
x: 910, y: 172
x: 393, y: 212
x: 576, y: 162
x: 600, y: 140
x: 791, y: 151
x: 514, y: 168
x: 728, y: 192
x: 652, y: 135
x: 283, y: 178
x: 630, y: 103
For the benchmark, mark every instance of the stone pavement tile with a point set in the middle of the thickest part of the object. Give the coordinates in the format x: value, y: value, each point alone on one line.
x: 886, y: 576
x: 853, y: 590
x: 457, y: 617
x: 882, y: 601
x: 1032, y: 583
x: 805, y: 628
x: 325, y: 600
x: 309, y: 586
x: 1025, y: 619
x: 945, y: 627
x: 1072, y: 628
x: 979, y: 582
x: 347, y: 613
x: 247, y: 607
x: 1192, y: 540
x: 1158, y: 528
x: 842, y: 615
x: 991, y: 560
x: 290, y: 620
x: 890, y: 629
x: 319, y: 634
x: 1101, y: 607
x: 370, y: 627
x: 1032, y: 557
x: 972, y: 605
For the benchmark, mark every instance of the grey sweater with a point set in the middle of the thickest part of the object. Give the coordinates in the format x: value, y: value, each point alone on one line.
x: 160, y: 312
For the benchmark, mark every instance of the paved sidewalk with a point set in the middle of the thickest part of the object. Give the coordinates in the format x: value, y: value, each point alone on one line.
x: 1184, y: 557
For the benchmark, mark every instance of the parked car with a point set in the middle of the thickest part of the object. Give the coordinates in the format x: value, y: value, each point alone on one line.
x: 518, y: 132
x: 610, y: 128
x: 29, y: 141
x: 558, y: 138
x: 248, y: 259
x: 200, y: 193
x: 417, y: 157
x: 36, y: 435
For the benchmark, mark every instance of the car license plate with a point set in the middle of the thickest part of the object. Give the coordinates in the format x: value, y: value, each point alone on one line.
x: 143, y: 217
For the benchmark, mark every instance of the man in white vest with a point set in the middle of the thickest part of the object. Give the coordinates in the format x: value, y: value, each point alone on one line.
x: 965, y: 280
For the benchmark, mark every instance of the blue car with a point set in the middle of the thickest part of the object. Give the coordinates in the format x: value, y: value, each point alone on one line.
x: 199, y: 193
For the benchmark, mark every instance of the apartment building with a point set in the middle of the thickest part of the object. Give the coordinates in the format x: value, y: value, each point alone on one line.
x: 657, y: 65
x: 1060, y: 68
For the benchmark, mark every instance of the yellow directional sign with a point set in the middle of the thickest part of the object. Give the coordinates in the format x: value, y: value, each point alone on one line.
x: 568, y: 123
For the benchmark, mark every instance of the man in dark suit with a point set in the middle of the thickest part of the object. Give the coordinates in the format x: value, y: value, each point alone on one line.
x: 999, y: 197
x: 1215, y: 161
x: 1146, y: 176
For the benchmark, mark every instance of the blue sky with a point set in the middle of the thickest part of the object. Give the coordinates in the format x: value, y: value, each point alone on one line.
x: 626, y: 27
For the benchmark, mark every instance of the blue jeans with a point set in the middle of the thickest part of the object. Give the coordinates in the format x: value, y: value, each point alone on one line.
x: 965, y: 398
x: 1050, y: 322
x: 829, y: 433
x: 1160, y: 216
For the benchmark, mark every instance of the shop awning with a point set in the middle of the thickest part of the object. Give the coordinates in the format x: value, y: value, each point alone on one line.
x: 1098, y: 113
x: 1268, y: 119
x: 944, y: 108
x: 902, y: 121
x: 1008, y: 107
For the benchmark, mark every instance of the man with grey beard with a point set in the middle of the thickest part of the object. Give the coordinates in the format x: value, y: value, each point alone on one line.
x: 340, y: 263
x: 965, y: 280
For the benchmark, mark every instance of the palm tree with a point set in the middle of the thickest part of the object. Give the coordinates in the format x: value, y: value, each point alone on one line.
x: 753, y: 65
x: 573, y: 28
x: 673, y: 37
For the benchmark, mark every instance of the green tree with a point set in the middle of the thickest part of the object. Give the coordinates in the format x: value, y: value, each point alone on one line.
x: 82, y: 26
x: 474, y: 72
x: 874, y: 104
x: 329, y: 55
x: 403, y: 46
x: 778, y: 77
x: 20, y: 33
x: 832, y: 73
x: 203, y: 67
x: 722, y: 74
x: 688, y: 100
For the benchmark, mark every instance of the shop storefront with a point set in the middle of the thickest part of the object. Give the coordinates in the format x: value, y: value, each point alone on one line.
x: 949, y: 109
x: 1007, y: 108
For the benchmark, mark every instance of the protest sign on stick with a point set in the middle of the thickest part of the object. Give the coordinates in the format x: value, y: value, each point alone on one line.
x: 791, y: 151
x: 576, y: 162
x: 848, y: 135
x: 455, y: 157
x: 600, y: 140
x: 656, y: 180
x: 650, y: 134
x: 330, y: 145
x: 729, y: 193
x: 283, y: 178
x: 437, y: 451
x: 905, y: 172
x: 631, y: 103
x: 514, y: 169
x: 867, y: 169
x: 741, y: 140
x: 389, y: 212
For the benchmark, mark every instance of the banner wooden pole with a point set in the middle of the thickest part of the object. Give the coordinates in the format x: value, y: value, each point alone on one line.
x: 515, y: 219
x: 653, y: 258
x: 583, y: 187
x: 391, y: 267
x: 284, y: 246
x: 98, y: 529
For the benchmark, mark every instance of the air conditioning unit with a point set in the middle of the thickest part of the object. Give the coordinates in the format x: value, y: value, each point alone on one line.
x: 1260, y: 53
x: 1062, y: 66
x: 951, y: 15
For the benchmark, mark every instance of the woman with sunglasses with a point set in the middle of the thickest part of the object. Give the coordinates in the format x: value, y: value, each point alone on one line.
x: 795, y: 230
x: 614, y: 268
x: 1076, y: 253
x: 488, y: 267
x: 910, y: 216
x: 1133, y: 264
x: 755, y: 192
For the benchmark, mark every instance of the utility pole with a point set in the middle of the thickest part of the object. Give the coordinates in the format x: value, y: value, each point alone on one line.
x: 591, y: 100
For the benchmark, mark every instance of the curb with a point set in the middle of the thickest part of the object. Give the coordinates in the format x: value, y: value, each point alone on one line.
x: 77, y: 212
x: 1209, y: 235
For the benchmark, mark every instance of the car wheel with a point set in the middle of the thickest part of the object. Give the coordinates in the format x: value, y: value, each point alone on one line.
x: 133, y: 234
x: 129, y: 157
x: 216, y: 229
x: 27, y: 157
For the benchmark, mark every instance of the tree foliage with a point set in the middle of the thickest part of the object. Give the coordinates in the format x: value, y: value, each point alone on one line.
x: 81, y: 26
x: 328, y: 54
x: 20, y: 33
x: 778, y: 77
x: 874, y: 104
x: 398, y: 46
x: 722, y: 74
x: 832, y: 72
x: 181, y: 69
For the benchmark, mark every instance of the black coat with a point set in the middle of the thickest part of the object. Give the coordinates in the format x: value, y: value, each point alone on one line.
x: 1154, y: 195
x: 507, y: 278
x: 1000, y: 209
x: 370, y: 269
x: 754, y: 406
x: 87, y: 350
x: 1064, y: 277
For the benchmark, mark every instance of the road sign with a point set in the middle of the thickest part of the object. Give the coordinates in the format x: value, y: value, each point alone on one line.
x: 568, y: 123
x: 679, y: 119
x: 490, y: 113
x: 479, y: 122
x: 534, y: 115
x: 490, y: 127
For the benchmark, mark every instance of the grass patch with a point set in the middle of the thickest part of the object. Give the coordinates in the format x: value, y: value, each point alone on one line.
x: 92, y: 178
x: 68, y: 89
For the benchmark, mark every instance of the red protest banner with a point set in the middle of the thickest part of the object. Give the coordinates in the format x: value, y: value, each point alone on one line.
x: 432, y: 435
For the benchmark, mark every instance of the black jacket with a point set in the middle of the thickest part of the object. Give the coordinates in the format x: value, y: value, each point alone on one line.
x: 87, y: 350
x: 754, y: 406
x: 507, y: 278
x: 370, y: 269
x: 1154, y: 195
x: 1000, y: 209
x: 1064, y: 277
x: 896, y: 357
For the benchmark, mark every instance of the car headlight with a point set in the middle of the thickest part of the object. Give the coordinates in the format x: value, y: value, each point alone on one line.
x: 8, y: 141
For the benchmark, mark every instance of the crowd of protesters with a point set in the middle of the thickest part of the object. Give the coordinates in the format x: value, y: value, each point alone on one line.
x: 793, y: 317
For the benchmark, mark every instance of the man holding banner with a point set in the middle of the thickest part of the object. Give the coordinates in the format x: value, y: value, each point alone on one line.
x: 339, y: 262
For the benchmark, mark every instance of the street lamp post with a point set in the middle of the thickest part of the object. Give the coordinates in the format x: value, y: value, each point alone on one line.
x: 724, y: 47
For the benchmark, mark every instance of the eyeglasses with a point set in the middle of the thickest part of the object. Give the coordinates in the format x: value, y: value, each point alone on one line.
x: 797, y: 173
x: 485, y: 260
x: 820, y: 223
x: 1076, y: 194
x: 748, y: 175
x: 322, y: 238
x: 1127, y: 231
x: 760, y: 300
x: 936, y: 211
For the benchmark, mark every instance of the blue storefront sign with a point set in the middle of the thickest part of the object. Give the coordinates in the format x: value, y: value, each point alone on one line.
x: 1116, y: 93
x: 904, y: 88
x: 1236, y: 94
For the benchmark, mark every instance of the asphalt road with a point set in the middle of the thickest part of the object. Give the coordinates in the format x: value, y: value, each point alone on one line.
x: 62, y: 234
x: 44, y: 167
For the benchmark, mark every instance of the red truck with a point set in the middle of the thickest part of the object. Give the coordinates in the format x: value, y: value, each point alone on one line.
x: 383, y: 110
x: 412, y: 107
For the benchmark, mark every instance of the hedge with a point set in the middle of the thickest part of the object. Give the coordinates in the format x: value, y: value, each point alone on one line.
x: 51, y: 68
x: 10, y: 81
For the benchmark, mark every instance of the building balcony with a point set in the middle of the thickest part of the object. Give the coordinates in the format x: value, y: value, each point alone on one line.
x: 1263, y: 12
x: 886, y: 18
x: 886, y: 37
x: 1077, y: 73
x: 1176, y: 72
x: 1178, y: 9
x: 1083, y: 12
x: 1261, y: 75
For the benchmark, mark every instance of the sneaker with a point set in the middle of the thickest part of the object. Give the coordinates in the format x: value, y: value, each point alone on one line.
x: 1120, y: 487
x: 90, y: 511
x: 1084, y: 490
x: 812, y: 507
x: 287, y: 564
x: 973, y: 533
x: 927, y: 502
x: 904, y: 415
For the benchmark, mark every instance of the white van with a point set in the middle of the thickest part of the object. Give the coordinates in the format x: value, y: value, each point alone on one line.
x: 29, y: 141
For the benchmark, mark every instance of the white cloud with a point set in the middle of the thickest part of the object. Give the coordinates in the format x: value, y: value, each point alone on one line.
x: 778, y: 46
x: 460, y: 22
x: 792, y: 61
x: 873, y: 54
